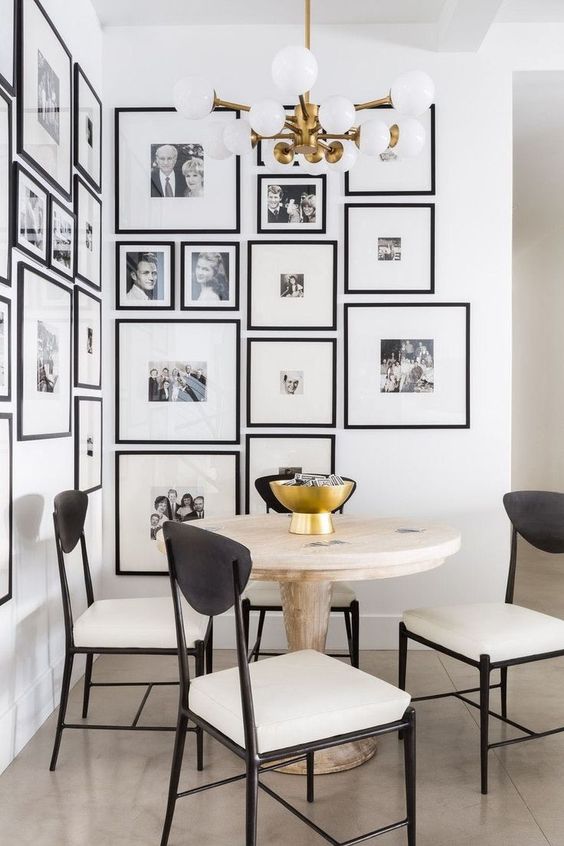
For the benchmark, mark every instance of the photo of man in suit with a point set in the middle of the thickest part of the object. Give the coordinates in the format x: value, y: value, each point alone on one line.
x: 166, y: 178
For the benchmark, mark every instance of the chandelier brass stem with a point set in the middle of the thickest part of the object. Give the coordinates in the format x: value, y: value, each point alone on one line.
x: 372, y: 104
x: 226, y: 104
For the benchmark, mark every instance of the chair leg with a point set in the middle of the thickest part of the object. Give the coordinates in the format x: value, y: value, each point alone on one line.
x: 504, y: 691
x: 484, y: 719
x: 246, y: 608
x: 209, y: 650
x: 200, y: 656
x: 355, y: 614
x: 87, y: 684
x: 402, y: 668
x: 252, y: 804
x: 262, y: 616
x: 410, y: 774
x: 347, y: 616
x: 176, y: 768
x: 310, y: 761
x: 69, y: 657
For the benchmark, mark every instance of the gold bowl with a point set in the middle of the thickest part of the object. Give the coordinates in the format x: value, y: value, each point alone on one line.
x: 311, y: 507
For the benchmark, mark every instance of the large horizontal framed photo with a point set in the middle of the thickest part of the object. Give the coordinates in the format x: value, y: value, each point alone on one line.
x: 210, y: 275
x: 88, y: 443
x: 292, y: 285
x: 8, y: 45
x: 44, y: 355
x: 389, y: 249
x: 5, y: 350
x: 144, y: 275
x: 153, y: 487
x: 165, y: 179
x: 294, y: 204
x: 87, y: 340
x: 5, y: 188
x: 407, y: 366
x: 5, y: 507
x: 87, y: 129
x: 88, y: 246
x: 44, y: 97
x: 177, y: 381
x: 62, y: 225
x: 388, y: 173
x: 291, y: 382
x: 30, y: 215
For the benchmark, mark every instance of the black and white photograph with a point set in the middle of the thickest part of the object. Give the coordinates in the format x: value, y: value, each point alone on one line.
x: 210, y: 275
x: 87, y: 130
x: 6, y: 506
x: 6, y: 172
x: 62, y: 238
x: 389, y: 249
x: 48, y: 365
x: 292, y: 285
x: 87, y: 339
x: 292, y: 382
x: 177, y: 170
x: 5, y: 349
x: 174, y: 503
x: 88, y: 443
x: 145, y: 275
x: 8, y: 45
x: 31, y: 215
x: 48, y: 97
x: 88, y: 240
x: 90, y: 446
x: 291, y: 203
x: 407, y: 366
x: 177, y: 381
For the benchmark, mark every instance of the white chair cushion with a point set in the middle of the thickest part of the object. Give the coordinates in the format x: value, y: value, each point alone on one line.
x: 497, y: 629
x: 136, y: 623
x: 268, y: 593
x: 297, y: 697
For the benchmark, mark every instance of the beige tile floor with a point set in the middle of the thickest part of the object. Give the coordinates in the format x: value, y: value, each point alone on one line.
x: 110, y: 788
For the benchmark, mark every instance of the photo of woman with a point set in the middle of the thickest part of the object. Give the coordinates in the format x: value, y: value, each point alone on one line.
x: 292, y: 285
x: 193, y: 173
x: 210, y: 277
x: 186, y: 510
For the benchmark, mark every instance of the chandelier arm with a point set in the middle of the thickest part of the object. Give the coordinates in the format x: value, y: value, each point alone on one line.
x: 343, y: 136
x: 226, y: 104
x: 290, y: 125
x: 284, y: 136
x: 372, y: 104
x: 303, y: 103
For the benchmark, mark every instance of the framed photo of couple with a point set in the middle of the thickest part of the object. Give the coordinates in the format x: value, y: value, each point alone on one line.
x: 293, y: 204
x: 145, y: 275
x: 209, y: 275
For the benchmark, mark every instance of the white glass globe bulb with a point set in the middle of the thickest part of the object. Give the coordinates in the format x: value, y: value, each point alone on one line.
x: 193, y: 97
x: 267, y: 117
x: 411, y: 138
x: 337, y: 114
x: 214, y: 146
x: 412, y: 93
x: 347, y: 160
x: 294, y: 70
x: 237, y: 137
x: 374, y: 137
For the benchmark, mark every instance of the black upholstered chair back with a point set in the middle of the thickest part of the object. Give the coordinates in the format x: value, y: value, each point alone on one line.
x: 69, y: 515
x: 262, y: 484
x: 538, y: 516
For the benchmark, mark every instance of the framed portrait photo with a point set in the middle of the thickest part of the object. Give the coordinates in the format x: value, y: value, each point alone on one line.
x: 5, y: 350
x: 30, y: 217
x: 6, y: 508
x: 8, y: 45
x: 44, y: 97
x: 153, y: 487
x: 389, y: 249
x: 165, y: 179
x: 44, y: 355
x: 88, y: 241
x: 5, y: 188
x: 87, y: 340
x: 210, y: 275
x: 177, y: 381
x: 87, y: 129
x: 291, y: 382
x: 88, y: 443
x: 293, y: 204
x: 292, y: 285
x: 62, y: 225
x: 144, y: 275
x: 407, y: 366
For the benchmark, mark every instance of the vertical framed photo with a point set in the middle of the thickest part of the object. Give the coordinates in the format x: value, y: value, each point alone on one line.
x: 153, y: 487
x: 44, y: 97
x: 44, y: 356
x: 5, y: 350
x: 8, y: 45
x: 30, y: 217
x: 5, y: 188
x: 407, y: 366
x: 165, y: 179
x: 292, y: 285
x: 6, y: 508
x: 88, y: 241
x: 292, y: 204
x: 389, y: 248
x: 62, y: 225
x: 291, y: 382
x: 88, y: 443
x: 87, y: 130
x: 144, y: 275
x: 87, y: 340
x: 209, y: 275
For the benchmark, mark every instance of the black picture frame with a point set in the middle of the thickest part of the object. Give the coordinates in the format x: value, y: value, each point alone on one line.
x: 68, y: 274
x: 289, y: 177
x: 184, y: 281
x: 94, y: 181
x: 77, y: 434
x: 8, y: 194
x: 8, y: 363
x: 79, y: 181
x: 78, y: 292
x: 171, y: 246
x: 18, y: 171
x: 9, y: 85
x: 9, y: 418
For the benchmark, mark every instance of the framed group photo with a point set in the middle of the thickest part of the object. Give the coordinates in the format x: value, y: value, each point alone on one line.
x: 88, y: 443
x: 6, y: 507
x: 5, y: 349
x: 5, y: 188
x: 209, y: 275
x: 87, y: 130
x: 30, y: 216
x: 87, y: 340
x: 144, y: 275
x: 62, y: 239
x: 88, y: 234
x: 295, y: 204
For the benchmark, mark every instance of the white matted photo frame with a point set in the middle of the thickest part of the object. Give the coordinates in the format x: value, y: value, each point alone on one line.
x: 388, y: 174
x: 407, y: 366
x: 145, y: 275
x: 88, y: 241
x: 44, y: 355
x: 291, y: 382
x: 165, y: 179
x: 87, y: 340
x: 293, y: 204
x: 44, y: 97
x: 209, y: 277
x: 5, y: 350
x: 153, y: 487
x: 6, y: 507
x: 62, y: 239
x: 87, y: 129
x: 30, y: 215
x: 292, y: 285
x: 177, y: 381
x: 389, y: 248
x: 6, y: 188
x: 87, y: 443
x: 8, y: 14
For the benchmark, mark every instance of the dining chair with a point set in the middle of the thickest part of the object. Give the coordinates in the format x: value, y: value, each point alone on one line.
x: 265, y: 596
x: 496, y: 635
x: 286, y: 707
x: 114, y: 626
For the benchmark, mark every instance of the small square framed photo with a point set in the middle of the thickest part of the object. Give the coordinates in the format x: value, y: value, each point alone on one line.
x: 144, y: 275
x: 30, y: 216
x: 8, y: 45
x: 87, y: 340
x: 88, y: 443
x: 389, y: 249
x: 87, y: 130
x: 62, y: 237
x: 5, y: 350
x: 88, y: 246
x: 407, y: 366
x: 210, y: 275
x: 293, y: 204
x: 291, y: 382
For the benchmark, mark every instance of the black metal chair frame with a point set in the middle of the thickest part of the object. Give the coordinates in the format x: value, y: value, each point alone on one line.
x: 236, y: 569
x: 66, y: 538
x: 485, y: 666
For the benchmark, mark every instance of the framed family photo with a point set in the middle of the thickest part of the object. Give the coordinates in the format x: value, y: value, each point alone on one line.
x: 153, y: 487
x: 144, y: 275
x: 294, y: 204
x: 87, y: 340
x: 8, y: 45
x: 389, y: 248
x: 5, y: 350
x: 62, y: 225
x: 209, y: 275
x: 6, y: 507
x: 88, y: 443
x: 30, y: 216
x: 165, y: 179
x: 5, y: 188
x: 407, y: 366
x: 88, y: 234
x: 87, y: 130
x: 44, y: 97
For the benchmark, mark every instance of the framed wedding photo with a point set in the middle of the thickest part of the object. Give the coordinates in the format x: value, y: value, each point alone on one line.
x: 8, y: 45
x: 389, y: 248
x: 292, y: 285
x: 6, y: 508
x: 44, y: 97
x: 30, y: 215
x: 153, y: 487
x: 209, y: 276
x: 87, y: 340
x: 165, y: 179
x: 407, y: 366
x: 62, y: 225
x: 295, y: 204
x: 88, y: 443
x: 88, y: 238
x: 291, y: 382
x: 44, y: 355
x: 87, y: 130
x: 5, y: 188
x: 177, y: 381
x: 144, y: 275
x: 5, y: 350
